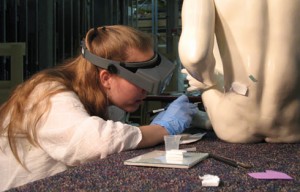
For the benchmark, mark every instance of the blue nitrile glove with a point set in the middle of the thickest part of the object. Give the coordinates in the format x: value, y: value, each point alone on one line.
x: 178, y: 115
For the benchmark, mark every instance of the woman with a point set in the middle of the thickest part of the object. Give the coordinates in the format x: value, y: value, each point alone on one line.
x: 59, y: 117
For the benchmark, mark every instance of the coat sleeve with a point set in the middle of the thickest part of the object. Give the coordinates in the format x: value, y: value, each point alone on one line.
x: 70, y: 135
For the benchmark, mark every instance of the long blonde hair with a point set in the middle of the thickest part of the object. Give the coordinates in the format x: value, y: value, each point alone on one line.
x: 77, y: 75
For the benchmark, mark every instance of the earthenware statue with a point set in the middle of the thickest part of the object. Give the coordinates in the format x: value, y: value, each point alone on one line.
x: 259, y: 48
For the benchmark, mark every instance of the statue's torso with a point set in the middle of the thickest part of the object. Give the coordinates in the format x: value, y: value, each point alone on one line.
x: 259, y: 43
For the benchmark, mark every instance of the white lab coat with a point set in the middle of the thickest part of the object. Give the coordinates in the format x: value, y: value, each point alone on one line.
x: 68, y: 136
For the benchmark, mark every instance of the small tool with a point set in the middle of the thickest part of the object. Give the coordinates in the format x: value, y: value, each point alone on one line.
x: 230, y: 161
x: 153, y: 112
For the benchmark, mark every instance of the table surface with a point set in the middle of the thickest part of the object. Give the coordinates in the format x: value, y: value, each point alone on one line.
x: 110, y: 174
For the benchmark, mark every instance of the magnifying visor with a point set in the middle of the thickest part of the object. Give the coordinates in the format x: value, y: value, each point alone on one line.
x: 152, y: 75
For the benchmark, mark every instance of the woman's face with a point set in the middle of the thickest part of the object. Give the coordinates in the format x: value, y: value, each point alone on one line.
x: 124, y: 94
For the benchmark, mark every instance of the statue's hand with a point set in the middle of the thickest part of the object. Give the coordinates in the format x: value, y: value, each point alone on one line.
x: 194, y: 84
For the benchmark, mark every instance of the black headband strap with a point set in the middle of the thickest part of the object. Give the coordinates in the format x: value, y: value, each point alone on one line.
x: 95, y: 33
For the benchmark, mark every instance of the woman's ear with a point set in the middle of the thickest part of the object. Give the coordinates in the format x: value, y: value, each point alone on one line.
x: 105, y: 78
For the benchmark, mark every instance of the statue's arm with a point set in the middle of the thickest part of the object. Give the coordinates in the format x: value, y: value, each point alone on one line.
x: 197, y: 39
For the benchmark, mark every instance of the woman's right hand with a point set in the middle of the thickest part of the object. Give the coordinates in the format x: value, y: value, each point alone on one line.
x: 178, y: 115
